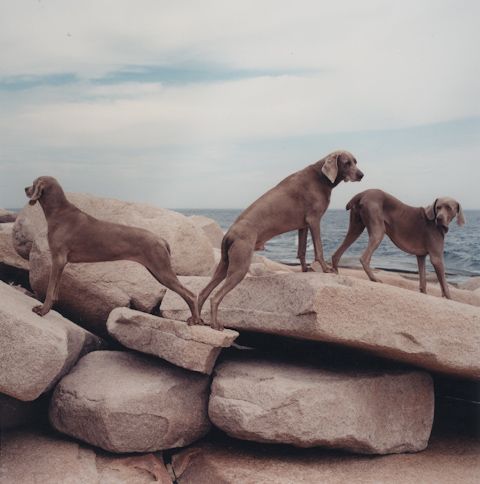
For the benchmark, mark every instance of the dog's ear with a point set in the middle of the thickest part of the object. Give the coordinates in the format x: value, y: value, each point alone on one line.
x: 37, y: 192
x: 460, y: 216
x: 431, y: 210
x: 330, y: 167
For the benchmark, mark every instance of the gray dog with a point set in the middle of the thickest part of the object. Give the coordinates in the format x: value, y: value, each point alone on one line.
x: 297, y: 203
x: 74, y: 236
x: 416, y: 230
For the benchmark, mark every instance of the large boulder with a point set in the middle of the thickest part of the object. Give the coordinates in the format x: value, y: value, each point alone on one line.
x: 192, y: 347
x: 36, y: 352
x: 6, y: 216
x: 34, y: 457
x: 8, y: 255
x: 370, y: 412
x: 446, y: 460
x: 432, y: 333
x: 123, y: 402
x: 180, y: 232
x: 210, y: 228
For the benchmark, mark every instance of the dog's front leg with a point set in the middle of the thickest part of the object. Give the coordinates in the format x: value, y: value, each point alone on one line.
x: 302, y: 248
x: 58, y: 264
x: 437, y: 263
x: 314, y: 225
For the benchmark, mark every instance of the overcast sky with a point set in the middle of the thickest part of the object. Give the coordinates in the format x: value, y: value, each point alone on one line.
x: 207, y: 104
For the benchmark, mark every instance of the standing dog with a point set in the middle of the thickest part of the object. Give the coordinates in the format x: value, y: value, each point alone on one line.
x: 74, y: 236
x: 296, y: 203
x: 416, y: 230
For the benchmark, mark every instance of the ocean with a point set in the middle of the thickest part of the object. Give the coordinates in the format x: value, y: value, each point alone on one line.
x: 462, y: 245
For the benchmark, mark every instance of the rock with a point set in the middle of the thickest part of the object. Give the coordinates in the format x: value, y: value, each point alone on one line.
x: 89, y: 292
x: 36, y: 352
x: 8, y: 255
x: 429, y: 332
x: 192, y: 347
x: 15, y: 413
x: 180, y: 232
x: 471, y: 284
x: 369, y: 412
x: 123, y: 402
x: 7, y: 216
x: 30, y: 457
x: 211, y: 229
x: 410, y: 281
x: 446, y: 460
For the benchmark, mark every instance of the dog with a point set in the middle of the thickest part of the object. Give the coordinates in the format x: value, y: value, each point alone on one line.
x: 74, y: 236
x: 297, y: 203
x: 416, y: 230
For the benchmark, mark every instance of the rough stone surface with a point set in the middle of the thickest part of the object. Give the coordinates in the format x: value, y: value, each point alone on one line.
x: 471, y: 284
x: 36, y: 352
x: 446, y: 461
x: 192, y: 347
x: 6, y: 216
x: 192, y: 253
x: 123, y: 402
x: 211, y: 229
x: 35, y: 457
x: 8, y: 255
x: 410, y: 281
x: 381, y: 412
x: 89, y: 292
x: 429, y: 332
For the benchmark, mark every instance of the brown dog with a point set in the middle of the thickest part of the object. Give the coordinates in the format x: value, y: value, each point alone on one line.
x: 296, y: 203
x: 415, y: 230
x: 74, y: 236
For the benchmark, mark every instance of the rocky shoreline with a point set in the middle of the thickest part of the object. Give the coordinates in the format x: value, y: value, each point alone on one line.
x: 318, y: 378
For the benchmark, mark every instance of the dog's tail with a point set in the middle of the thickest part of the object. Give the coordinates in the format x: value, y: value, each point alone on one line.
x: 354, y: 202
x: 227, y: 242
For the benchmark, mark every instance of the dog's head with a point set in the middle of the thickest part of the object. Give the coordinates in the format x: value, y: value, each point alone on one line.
x: 341, y: 166
x: 443, y: 210
x: 40, y: 187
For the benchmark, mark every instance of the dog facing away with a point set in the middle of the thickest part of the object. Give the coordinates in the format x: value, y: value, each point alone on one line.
x: 74, y: 236
x: 416, y: 230
x: 296, y: 203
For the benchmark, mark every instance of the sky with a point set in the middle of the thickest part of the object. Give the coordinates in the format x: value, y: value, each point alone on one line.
x: 191, y: 104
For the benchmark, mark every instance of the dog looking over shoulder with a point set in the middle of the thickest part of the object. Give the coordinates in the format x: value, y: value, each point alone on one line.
x: 416, y: 230
x: 297, y: 203
x: 74, y: 236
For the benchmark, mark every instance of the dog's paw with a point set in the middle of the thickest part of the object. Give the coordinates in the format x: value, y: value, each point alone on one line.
x: 40, y: 310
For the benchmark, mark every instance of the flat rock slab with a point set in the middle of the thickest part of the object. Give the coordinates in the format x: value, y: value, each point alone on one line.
x: 192, y: 347
x: 447, y: 460
x: 36, y: 352
x: 124, y: 402
x: 35, y: 457
x: 381, y: 412
x: 426, y: 331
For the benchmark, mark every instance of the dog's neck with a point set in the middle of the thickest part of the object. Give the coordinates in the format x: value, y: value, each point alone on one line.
x: 323, y: 179
x: 54, y: 201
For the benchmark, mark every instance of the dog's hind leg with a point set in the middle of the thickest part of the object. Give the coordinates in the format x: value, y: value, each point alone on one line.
x: 355, y: 229
x: 376, y: 231
x: 159, y: 265
x: 422, y: 275
x: 239, y: 256
x: 218, y: 276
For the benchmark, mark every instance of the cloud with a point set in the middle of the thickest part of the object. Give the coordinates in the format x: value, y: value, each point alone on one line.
x: 168, y: 92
